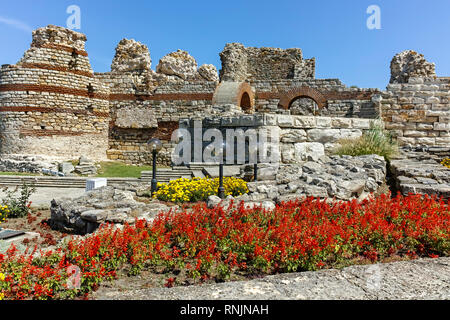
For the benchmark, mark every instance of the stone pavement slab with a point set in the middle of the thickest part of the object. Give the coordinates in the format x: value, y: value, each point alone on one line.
x: 405, y: 280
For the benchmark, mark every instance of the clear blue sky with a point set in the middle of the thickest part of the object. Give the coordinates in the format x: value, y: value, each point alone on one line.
x: 334, y: 32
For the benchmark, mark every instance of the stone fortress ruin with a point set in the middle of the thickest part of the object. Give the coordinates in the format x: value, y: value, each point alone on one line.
x: 53, y: 105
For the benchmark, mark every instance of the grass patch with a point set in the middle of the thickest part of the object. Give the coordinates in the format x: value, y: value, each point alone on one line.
x: 120, y: 170
x: 376, y: 140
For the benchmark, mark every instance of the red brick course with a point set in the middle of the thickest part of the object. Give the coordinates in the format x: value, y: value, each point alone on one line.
x: 55, y: 68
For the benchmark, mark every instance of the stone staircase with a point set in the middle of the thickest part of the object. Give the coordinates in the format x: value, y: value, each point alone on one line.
x: 167, y: 175
x: 57, y: 182
x: 200, y: 170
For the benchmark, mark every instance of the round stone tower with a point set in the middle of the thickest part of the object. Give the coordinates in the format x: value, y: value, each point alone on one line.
x: 50, y: 102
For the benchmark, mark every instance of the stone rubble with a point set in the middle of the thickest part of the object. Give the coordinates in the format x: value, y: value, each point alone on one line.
x: 339, y: 177
x: 26, y: 163
x: 421, y: 172
x: 86, y: 167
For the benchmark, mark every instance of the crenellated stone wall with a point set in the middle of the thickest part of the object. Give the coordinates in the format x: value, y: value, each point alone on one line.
x: 53, y: 105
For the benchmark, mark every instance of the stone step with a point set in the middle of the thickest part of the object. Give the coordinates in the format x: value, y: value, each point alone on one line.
x: 59, y: 182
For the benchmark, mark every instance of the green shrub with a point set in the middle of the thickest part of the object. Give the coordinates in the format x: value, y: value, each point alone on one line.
x: 376, y: 140
x: 18, y: 206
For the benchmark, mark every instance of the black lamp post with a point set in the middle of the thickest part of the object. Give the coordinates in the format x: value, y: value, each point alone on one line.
x: 155, y: 146
x: 221, y: 190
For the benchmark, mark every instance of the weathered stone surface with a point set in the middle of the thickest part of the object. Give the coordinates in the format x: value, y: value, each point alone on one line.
x: 66, y: 167
x: 135, y: 118
x: 208, y: 72
x: 179, y: 64
x: 86, y: 170
x: 293, y: 136
x: 300, y: 152
x: 94, y: 215
x: 240, y: 63
x: 405, y: 280
x: 25, y: 163
x: 337, y: 177
x: 308, y: 151
x: 131, y: 56
x: 421, y: 173
x: 84, y: 214
x: 409, y: 64
x: 213, y: 201
x: 324, y: 135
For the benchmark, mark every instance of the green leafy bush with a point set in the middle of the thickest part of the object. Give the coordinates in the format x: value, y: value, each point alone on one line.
x: 18, y: 206
x: 376, y: 140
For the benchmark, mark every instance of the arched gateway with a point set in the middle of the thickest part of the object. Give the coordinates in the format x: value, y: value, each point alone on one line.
x: 288, y: 97
x: 237, y: 93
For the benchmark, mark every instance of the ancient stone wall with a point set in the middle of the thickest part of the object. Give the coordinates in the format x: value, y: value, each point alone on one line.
x: 418, y: 111
x: 331, y: 97
x: 241, y: 63
x: 145, y: 104
x: 416, y: 104
x: 50, y: 102
x: 300, y: 138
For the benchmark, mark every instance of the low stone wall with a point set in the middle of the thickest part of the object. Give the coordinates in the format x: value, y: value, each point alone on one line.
x: 331, y: 96
x: 300, y: 137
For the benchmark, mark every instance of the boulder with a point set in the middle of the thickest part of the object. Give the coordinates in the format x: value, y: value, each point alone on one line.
x: 107, y: 204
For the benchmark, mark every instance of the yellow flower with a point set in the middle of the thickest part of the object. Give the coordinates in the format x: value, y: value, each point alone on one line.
x: 446, y: 162
x: 198, y: 189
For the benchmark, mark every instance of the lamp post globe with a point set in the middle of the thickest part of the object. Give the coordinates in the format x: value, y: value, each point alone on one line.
x: 155, y: 146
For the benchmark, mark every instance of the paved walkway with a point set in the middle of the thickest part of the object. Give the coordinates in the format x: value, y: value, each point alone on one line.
x: 43, y: 196
x: 419, y: 279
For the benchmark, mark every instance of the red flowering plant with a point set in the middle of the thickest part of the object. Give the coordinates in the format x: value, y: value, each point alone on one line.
x: 215, y: 243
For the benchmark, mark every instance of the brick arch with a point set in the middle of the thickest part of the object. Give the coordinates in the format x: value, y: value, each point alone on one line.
x: 237, y: 93
x: 287, y: 97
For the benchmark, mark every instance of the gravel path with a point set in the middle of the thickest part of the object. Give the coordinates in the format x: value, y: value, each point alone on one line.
x: 419, y: 279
